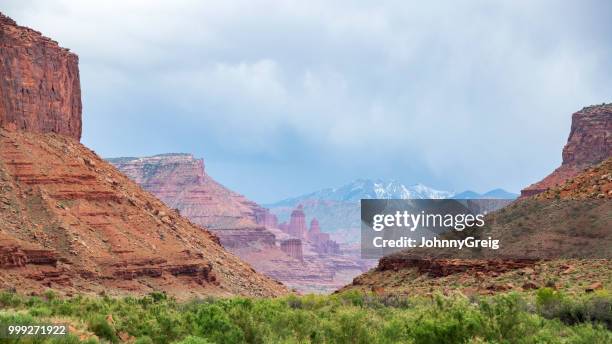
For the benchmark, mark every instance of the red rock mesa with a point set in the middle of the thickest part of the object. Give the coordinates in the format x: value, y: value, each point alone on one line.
x: 181, y: 182
x: 589, y: 143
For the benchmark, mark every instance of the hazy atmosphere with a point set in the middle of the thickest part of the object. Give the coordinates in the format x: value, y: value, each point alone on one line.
x: 282, y: 98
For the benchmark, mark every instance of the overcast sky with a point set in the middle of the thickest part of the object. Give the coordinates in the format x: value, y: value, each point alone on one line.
x: 286, y: 97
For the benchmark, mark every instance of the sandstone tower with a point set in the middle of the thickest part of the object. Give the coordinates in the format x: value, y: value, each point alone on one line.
x: 297, y: 223
x: 293, y: 248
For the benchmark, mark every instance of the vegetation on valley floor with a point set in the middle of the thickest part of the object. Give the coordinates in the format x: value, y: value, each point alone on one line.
x: 548, y: 316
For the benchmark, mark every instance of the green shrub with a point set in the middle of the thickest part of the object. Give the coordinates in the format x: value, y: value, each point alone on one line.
x: 144, y: 340
x: 103, y: 329
x: 194, y: 340
x: 595, y: 309
x: 212, y: 322
x: 9, y: 299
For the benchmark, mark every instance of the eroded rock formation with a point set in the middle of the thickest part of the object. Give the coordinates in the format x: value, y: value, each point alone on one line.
x: 305, y: 261
x: 293, y: 248
x: 181, y: 182
x: 265, y: 218
x: 71, y: 221
x: 321, y: 241
x: 39, y: 82
x: 297, y: 223
x: 589, y: 143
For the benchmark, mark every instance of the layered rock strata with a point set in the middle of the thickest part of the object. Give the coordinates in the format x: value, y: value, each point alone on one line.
x: 181, y: 182
x: 307, y: 261
x: 293, y: 248
x: 39, y: 82
x: 72, y: 222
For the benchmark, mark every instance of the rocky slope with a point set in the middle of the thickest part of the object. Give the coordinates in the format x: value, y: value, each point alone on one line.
x: 593, y: 183
x: 589, y: 143
x: 69, y: 220
x: 39, y: 82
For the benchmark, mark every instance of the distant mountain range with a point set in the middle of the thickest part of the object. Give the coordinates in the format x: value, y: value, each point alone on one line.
x: 368, y: 189
x: 387, y: 189
x: 338, y: 212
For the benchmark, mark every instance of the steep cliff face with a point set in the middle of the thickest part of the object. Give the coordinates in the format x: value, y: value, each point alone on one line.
x: 589, y: 143
x: 39, y: 83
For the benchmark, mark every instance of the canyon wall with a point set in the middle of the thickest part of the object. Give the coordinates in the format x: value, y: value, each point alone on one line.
x: 308, y: 262
x: 589, y: 143
x: 39, y: 83
x: 70, y: 221
x: 181, y: 182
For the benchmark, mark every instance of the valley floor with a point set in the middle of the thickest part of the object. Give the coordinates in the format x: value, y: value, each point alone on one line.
x: 542, y: 316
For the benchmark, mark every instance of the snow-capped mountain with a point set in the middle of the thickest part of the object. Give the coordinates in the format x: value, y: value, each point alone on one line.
x: 367, y: 189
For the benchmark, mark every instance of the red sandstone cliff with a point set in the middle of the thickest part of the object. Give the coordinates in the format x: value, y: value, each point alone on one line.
x: 589, y: 143
x: 39, y: 82
x: 69, y: 220
x: 180, y: 181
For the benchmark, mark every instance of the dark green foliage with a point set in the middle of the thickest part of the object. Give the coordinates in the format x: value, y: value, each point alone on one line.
x: 344, y: 318
x: 102, y: 328
x: 595, y: 309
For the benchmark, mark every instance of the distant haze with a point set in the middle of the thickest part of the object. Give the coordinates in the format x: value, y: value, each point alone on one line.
x: 283, y: 98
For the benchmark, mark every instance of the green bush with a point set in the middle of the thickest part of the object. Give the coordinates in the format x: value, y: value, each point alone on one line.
x: 213, y: 322
x: 596, y: 309
x: 102, y: 328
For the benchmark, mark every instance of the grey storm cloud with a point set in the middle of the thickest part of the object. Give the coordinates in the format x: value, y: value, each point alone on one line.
x: 282, y: 97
